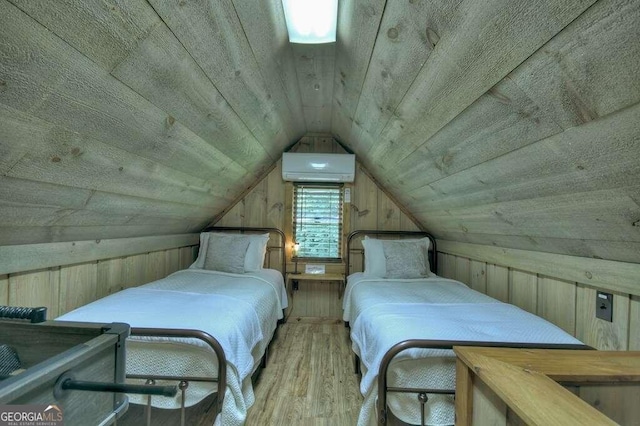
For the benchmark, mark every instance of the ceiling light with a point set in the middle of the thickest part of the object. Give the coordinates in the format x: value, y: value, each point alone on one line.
x: 311, y: 21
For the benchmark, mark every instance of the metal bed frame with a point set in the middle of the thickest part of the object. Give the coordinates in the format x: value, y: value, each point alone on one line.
x: 39, y: 315
x: 385, y: 416
x: 36, y: 315
x: 183, y: 382
x: 221, y: 379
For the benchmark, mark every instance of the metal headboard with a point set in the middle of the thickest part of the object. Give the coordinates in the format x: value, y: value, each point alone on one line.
x: 433, y: 258
x: 245, y: 229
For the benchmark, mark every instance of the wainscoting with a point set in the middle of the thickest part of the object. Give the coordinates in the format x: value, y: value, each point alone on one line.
x: 547, y: 285
x: 65, y: 286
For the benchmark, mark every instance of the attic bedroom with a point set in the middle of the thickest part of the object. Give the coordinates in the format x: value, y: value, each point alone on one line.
x: 211, y: 213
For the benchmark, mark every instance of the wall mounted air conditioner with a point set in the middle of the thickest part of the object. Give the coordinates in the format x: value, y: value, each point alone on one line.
x: 305, y: 167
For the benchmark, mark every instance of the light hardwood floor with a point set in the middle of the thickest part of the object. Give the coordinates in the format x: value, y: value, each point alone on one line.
x: 309, y: 377
x: 308, y: 380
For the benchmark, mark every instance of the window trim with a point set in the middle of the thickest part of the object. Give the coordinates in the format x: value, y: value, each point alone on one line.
x: 340, y: 187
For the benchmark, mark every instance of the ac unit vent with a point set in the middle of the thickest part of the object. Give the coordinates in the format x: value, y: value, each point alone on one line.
x: 304, y: 167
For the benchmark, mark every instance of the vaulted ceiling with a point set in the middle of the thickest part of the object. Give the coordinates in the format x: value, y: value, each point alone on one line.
x: 512, y: 122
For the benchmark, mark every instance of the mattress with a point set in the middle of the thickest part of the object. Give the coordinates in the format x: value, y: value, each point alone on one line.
x: 385, y: 312
x: 240, y: 310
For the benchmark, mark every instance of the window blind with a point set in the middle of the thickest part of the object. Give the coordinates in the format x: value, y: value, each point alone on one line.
x: 317, y: 220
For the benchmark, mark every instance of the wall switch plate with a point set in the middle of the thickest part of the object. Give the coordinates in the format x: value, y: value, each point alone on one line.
x: 604, y: 306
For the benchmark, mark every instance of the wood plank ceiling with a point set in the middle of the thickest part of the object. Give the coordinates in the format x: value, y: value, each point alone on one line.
x: 505, y: 122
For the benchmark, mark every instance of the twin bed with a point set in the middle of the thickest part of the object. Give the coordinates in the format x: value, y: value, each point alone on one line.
x: 206, y: 328
x: 404, y: 321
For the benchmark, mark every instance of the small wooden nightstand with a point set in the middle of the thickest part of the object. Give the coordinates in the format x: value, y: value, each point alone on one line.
x: 294, y: 278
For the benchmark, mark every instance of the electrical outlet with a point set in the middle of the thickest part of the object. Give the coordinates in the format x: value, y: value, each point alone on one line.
x: 604, y: 306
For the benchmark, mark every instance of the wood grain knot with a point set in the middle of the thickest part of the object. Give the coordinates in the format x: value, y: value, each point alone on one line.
x: 392, y: 33
x: 370, y: 11
x: 56, y: 159
x: 432, y: 37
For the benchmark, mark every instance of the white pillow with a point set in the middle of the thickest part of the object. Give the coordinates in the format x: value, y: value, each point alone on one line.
x: 374, y: 260
x: 254, y: 257
x: 202, y: 251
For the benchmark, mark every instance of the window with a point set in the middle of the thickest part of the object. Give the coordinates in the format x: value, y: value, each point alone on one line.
x: 317, y: 220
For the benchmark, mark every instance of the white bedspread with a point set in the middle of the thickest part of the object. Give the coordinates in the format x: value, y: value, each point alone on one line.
x: 385, y: 312
x: 363, y: 292
x: 239, y: 310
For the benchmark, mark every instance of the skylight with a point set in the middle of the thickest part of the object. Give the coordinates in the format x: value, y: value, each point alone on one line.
x: 311, y: 21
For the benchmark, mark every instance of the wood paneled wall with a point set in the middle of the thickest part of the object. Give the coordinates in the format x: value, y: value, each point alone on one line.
x: 570, y: 304
x: 266, y: 205
x: 66, y: 287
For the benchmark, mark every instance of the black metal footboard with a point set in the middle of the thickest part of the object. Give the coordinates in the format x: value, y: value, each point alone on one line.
x: 183, y: 382
x: 385, y: 417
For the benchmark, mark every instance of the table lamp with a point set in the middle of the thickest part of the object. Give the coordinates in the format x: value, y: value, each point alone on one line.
x: 296, y: 249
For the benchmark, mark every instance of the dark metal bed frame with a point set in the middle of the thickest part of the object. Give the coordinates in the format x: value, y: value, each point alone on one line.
x: 221, y: 379
x: 385, y: 416
x: 36, y: 315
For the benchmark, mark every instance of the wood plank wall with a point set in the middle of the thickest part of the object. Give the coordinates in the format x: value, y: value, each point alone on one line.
x: 563, y: 298
x: 569, y: 304
x: 264, y: 204
x: 65, y: 287
x: 267, y: 204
